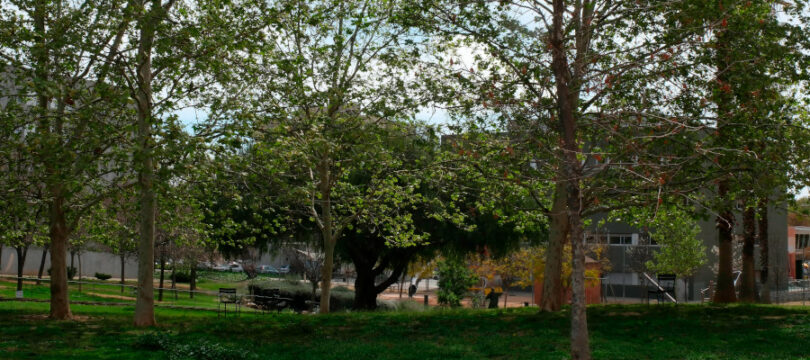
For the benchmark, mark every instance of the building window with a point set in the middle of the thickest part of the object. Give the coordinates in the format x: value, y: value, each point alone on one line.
x: 802, y: 241
x: 624, y: 239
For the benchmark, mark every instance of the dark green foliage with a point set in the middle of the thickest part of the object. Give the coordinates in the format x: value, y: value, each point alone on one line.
x: 182, y: 276
x: 301, y: 292
x: 455, y: 279
x: 103, y: 276
x: 195, y: 349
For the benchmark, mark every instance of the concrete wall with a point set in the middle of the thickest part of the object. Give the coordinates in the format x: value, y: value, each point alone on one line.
x: 92, y: 262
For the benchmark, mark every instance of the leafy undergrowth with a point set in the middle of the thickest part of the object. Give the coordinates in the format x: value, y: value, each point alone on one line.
x: 617, y: 332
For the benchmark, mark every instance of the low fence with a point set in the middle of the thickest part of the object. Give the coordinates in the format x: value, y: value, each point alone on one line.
x: 797, y: 292
x: 117, y: 294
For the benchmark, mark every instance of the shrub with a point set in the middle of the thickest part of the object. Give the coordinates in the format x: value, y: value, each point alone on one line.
x: 454, y: 281
x: 195, y: 349
x: 103, y: 276
x: 342, y: 298
x: 71, y: 272
x: 182, y: 276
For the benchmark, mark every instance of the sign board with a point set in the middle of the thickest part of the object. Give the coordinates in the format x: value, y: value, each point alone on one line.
x: 19, y: 294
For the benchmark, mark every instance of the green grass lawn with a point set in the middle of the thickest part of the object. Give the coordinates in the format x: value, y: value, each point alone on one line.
x: 617, y: 332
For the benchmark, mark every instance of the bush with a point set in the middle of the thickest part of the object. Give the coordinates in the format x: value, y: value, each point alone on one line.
x: 341, y: 298
x: 182, y: 276
x: 103, y: 276
x: 71, y: 272
x: 454, y: 281
x: 195, y: 349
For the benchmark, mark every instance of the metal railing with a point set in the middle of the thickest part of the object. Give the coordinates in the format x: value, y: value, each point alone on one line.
x: 191, y: 299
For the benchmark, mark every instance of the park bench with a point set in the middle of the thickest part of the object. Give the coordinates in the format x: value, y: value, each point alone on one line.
x: 663, y: 289
x: 228, y: 296
x: 270, y: 299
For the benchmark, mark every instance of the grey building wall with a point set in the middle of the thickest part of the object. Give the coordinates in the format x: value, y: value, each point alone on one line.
x: 623, y: 280
x: 92, y: 262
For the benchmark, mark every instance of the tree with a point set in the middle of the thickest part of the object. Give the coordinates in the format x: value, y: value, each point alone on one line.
x: 598, y: 76
x: 746, y: 56
x: 455, y: 280
x: 307, y: 260
x: 329, y: 92
x: 63, y: 112
x: 176, y: 50
x: 675, y: 231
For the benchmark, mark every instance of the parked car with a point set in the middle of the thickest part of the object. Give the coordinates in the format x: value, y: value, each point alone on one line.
x: 269, y: 269
x: 221, y: 268
x: 235, y: 268
x: 232, y: 267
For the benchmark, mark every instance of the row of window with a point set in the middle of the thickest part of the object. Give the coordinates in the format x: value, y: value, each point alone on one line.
x: 802, y: 241
x: 620, y: 239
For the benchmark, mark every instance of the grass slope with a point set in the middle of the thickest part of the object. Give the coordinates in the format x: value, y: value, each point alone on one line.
x: 617, y: 332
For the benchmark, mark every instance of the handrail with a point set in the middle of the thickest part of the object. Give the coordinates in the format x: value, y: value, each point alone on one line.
x: 660, y: 288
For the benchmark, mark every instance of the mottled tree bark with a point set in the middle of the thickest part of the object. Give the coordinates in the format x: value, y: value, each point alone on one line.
x: 60, y: 307
x: 145, y: 303
x: 567, y: 98
x: 553, y: 297
x: 725, y: 273
x: 765, y: 297
x: 748, y: 278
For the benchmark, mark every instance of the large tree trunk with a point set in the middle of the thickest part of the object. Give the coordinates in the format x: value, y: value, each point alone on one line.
x: 748, y: 278
x: 22, y: 253
x: 725, y: 219
x: 566, y: 104
x: 144, y: 306
x: 60, y: 307
x: 326, y: 272
x: 763, y: 251
x: 42, y: 264
x: 329, y: 238
x: 553, y: 298
x: 725, y: 272
x: 365, y: 298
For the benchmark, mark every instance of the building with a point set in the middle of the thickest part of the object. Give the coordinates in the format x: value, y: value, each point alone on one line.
x: 798, y: 244
x: 628, y: 247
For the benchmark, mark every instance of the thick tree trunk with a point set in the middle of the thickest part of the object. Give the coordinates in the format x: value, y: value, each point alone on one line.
x: 22, y: 253
x: 566, y: 104
x: 42, y: 264
x: 326, y: 271
x: 725, y: 273
x: 748, y: 278
x: 765, y: 297
x: 553, y: 298
x: 60, y: 307
x: 144, y: 306
x: 365, y: 298
x: 725, y: 219
x: 329, y: 238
